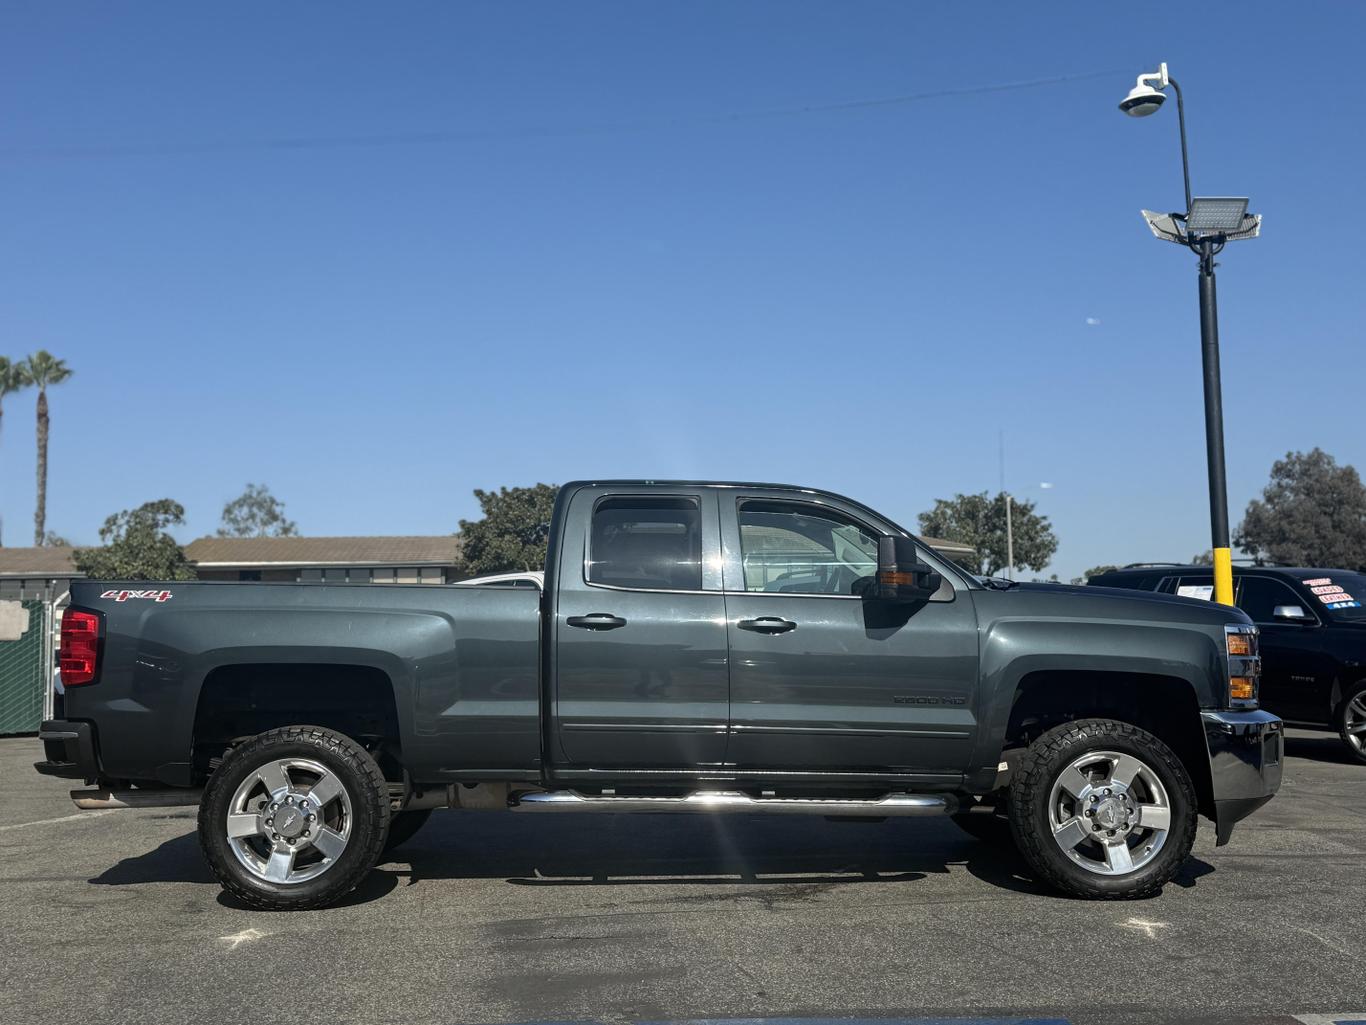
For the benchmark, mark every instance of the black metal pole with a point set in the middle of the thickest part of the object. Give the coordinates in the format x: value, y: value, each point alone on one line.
x: 1185, y: 158
x: 1214, y: 426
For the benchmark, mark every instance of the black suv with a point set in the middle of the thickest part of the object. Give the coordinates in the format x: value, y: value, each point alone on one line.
x: 1313, y: 627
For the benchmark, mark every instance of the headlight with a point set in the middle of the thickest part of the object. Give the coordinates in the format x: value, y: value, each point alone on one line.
x: 1244, y: 665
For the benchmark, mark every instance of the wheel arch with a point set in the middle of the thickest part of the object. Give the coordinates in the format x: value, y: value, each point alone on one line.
x: 1165, y: 706
x: 243, y: 699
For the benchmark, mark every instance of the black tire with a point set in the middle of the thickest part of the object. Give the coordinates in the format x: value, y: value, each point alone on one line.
x: 367, y: 813
x: 1031, y: 793
x: 404, y: 826
x: 1352, y: 713
x: 991, y: 827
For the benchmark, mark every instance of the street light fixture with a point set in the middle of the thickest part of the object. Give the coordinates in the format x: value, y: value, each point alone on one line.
x: 1208, y: 224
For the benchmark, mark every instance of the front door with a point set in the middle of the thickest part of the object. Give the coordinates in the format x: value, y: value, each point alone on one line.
x: 1297, y: 674
x: 641, y: 679
x: 823, y: 679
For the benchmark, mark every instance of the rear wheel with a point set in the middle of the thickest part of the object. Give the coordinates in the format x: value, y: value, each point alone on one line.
x: 1352, y: 721
x: 1104, y: 810
x: 294, y: 818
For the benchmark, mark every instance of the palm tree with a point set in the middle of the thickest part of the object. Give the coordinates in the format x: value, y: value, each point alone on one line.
x: 40, y: 370
x: 12, y: 379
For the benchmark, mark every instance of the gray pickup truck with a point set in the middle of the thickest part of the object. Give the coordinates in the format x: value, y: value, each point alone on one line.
x: 696, y: 647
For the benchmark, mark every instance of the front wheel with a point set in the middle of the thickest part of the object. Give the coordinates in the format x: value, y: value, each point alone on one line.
x: 1103, y: 810
x: 1352, y: 721
x: 294, y: 818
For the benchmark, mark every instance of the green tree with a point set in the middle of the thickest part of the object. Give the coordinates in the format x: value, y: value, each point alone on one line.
x: 1312, y: 513
x: 137, y: 547
x: 12, y: 379
x: 1094, y: 571
x: 256, y: 513
x: 42, y: 370
x: 514, y: 532
x: 980, y: 522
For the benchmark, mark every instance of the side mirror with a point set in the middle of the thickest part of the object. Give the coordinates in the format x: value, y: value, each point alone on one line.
x: 901, y: 576
x: 1291, y: 612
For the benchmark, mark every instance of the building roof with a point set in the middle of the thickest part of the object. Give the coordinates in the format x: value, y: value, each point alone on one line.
x: 949, y: 548
x: 208, y: 552
x: 48, y: 561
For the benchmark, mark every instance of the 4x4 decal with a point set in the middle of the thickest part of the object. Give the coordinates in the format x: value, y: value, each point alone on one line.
x: 156, y: 596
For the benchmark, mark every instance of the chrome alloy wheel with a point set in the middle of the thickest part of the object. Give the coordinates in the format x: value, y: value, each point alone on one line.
x: 289, y: 821
x: 1354, y: 723
x: 1109, y: 813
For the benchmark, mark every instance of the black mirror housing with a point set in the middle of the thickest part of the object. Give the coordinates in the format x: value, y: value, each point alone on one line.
x: 901, y: 576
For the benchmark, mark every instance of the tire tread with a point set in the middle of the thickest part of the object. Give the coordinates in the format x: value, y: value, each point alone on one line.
x: 359, y: 760
x: 1032, y: 773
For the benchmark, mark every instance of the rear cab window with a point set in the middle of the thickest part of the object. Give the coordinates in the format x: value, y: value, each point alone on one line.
x: 646, y: 543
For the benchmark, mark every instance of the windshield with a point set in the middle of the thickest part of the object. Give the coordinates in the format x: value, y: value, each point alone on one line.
x: 1338, y: 594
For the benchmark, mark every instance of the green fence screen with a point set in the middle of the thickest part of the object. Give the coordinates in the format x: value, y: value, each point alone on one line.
x: 22, y: 676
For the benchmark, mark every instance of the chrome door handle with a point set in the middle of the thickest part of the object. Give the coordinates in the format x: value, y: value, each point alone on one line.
x: 767, y: 625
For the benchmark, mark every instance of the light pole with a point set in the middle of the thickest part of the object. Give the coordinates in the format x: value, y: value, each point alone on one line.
x: 1206, y: 226
x: 1010, y: 531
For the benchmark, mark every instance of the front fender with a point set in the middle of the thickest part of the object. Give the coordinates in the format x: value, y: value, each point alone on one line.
x: 1014, y: 648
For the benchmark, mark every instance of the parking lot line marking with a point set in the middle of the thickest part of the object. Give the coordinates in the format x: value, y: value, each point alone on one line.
x: 1327, y: 943
x: 1149, y: 929
x: 245, y: 936
x: 64, y: 818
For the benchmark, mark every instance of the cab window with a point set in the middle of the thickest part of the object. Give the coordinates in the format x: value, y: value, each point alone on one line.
x: 1201, y: 586
x: 646, y: 543
x: 796, y: 548
x: 1259, y: 596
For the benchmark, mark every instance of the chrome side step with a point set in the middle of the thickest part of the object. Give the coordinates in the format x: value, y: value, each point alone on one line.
x: 714, y: 801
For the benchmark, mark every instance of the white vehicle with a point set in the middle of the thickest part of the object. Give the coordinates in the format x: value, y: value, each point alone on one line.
x: 532, y: 578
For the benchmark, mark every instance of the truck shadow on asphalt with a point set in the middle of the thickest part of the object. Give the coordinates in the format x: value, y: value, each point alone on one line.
x: 779, y: 859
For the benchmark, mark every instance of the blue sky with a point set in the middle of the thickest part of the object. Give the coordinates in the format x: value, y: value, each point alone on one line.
x: 376, y: 256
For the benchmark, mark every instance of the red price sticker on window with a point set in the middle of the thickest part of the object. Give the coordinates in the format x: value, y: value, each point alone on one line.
x: 1339, y: 595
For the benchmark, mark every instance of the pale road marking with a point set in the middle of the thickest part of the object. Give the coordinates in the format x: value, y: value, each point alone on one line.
x: 245, y: 936
x: 64, y: 818
x: 1148, y: 929
x: 1330, y: 945
x: 1330, y: 1019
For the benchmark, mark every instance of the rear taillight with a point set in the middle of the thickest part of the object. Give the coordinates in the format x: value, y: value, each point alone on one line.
x: 80, y: 651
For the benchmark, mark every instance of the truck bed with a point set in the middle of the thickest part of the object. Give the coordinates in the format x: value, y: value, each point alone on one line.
x: 454, y: 670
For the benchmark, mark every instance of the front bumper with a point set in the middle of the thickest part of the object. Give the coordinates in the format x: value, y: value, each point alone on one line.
x: 1246, y: 750
x: 70, y: 750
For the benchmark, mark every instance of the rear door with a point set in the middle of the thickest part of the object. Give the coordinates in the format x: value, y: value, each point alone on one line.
x: 640, y: 672
x: 820, y: 678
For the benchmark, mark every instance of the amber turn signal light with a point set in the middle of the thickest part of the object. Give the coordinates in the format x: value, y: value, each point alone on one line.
x: 1240, y: 645
x: 1242, y: 688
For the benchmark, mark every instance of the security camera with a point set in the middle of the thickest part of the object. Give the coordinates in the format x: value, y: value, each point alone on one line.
x: 1142, y: 100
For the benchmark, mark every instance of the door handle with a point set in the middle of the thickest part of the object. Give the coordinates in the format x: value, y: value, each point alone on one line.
x: 767, y: 625
x: 596, y: 621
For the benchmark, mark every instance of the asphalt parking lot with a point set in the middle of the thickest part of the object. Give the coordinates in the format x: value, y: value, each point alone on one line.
x: 484, y: 917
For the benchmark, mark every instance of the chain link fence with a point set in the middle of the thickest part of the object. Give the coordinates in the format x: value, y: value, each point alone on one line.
x: 26, y: 659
